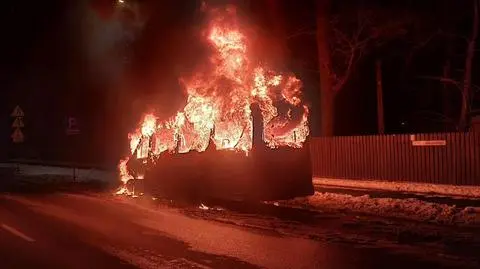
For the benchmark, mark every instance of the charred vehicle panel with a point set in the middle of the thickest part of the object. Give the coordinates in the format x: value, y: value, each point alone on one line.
x: 263, y: 174
x: 242, y: 134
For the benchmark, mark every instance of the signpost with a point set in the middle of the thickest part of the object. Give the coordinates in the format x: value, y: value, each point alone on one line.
x: 72, y: 129
x: 18, y: 123
x: 17, y: 135
x: 72, y: 126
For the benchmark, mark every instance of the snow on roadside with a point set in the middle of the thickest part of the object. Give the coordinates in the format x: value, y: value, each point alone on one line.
x: 420, y: 188
x: 410, y: 209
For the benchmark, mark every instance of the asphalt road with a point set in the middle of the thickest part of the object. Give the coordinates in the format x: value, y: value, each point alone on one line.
x: 102, y: 231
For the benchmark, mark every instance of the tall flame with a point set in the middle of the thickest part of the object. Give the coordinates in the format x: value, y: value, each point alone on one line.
x: 219, y: 100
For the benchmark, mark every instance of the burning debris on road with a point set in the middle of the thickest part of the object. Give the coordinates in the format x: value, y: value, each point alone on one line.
x: 232, y: 101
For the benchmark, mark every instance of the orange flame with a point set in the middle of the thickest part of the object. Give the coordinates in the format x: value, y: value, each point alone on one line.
x: 122, y: 168
x: 148, y: 125
x: 219, y: 99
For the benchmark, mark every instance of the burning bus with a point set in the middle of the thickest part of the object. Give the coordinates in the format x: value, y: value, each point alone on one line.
x: 243, y: 133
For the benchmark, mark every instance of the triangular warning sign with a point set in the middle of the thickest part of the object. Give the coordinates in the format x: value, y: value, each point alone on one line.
x: 17, y: 112
x: 18, y: 123
x: 17, y: 136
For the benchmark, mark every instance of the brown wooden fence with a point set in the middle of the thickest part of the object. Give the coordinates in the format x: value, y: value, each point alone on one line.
x: 445, y: 158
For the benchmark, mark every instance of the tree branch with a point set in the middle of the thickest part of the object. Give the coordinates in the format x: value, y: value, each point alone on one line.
x: 341, y: 82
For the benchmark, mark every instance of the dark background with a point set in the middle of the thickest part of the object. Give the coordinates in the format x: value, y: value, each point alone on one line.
x: 49, y: 69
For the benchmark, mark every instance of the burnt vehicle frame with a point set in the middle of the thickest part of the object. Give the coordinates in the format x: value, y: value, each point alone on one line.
x: 262, y: 174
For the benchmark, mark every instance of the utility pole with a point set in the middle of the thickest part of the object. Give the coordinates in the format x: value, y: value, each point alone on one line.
x: 380, y: 116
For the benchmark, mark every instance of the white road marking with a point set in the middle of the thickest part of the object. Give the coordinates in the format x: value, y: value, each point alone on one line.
x: 17, y: 233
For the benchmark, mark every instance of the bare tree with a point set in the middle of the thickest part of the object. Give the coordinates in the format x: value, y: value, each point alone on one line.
x: 342, y: 40
x: 327, y: 95
x: 347, y: 48
x: 463, y: 121
x: 466, y: 103
x: 338, y: 54
x: 462, y: 86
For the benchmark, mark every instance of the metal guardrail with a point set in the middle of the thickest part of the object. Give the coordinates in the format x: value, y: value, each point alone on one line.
x: 64, y: 170
x: 59, y: 164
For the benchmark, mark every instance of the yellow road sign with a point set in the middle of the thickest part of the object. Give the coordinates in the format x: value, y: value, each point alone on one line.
x: 18, y: 123
x: 17, y: 112
x: 17, y: 136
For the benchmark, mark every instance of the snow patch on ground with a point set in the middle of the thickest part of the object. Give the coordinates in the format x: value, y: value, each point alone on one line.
x: 420, y: 188
x: 411, y: 209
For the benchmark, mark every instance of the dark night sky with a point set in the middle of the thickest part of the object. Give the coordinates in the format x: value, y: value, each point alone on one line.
x: 53, y: 65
